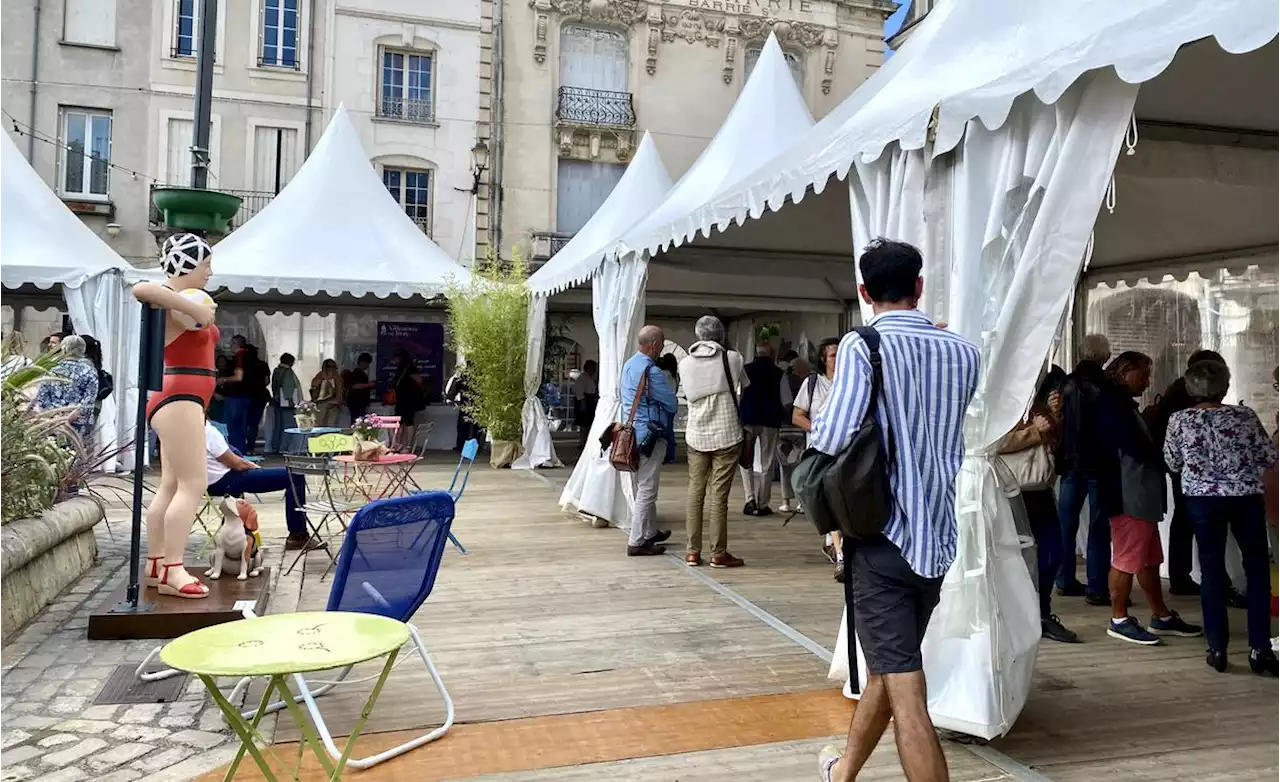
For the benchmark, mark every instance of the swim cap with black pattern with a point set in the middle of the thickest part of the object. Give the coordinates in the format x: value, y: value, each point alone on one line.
x: 182, y: 253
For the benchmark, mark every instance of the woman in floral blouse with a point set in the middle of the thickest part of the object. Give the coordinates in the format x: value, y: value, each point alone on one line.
x: 76, y: 387
x: 1221, y: 452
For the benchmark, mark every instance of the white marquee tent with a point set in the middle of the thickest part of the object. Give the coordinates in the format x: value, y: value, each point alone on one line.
x: 640, y: 190
x: 767, y: 116
x: 43, y: 245
x: 990, y: 140
x: 334, y: 230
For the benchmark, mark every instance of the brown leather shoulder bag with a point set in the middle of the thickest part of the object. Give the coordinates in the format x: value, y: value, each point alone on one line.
x: 625, y: 455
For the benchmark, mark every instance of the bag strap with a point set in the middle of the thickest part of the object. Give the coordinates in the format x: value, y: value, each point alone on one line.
x: 728, y: 379
x: 813, y: 385
x: 872, y: 339
x: 640, y: 389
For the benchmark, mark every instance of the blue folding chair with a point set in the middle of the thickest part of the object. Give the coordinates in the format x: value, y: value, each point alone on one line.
x: 378, y: 574
x: 222, y: 430
x: 469, y: 451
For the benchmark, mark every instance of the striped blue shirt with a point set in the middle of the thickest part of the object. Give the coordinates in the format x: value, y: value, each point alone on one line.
x: 930, y: 376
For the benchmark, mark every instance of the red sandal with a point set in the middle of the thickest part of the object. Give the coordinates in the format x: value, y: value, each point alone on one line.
x: 151, y: 575
x: 194, y: 589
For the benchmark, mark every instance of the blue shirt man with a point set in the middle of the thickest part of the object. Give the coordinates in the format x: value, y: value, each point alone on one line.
x: 894, y: 581
x: 654, y: 412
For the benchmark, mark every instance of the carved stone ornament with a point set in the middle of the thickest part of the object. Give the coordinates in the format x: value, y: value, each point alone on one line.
x: 540, y: 24
x: 654, y: 40
x: 625, y: 12
x: 805, y: 34
x: 830, y: 40
x: 693, y: 26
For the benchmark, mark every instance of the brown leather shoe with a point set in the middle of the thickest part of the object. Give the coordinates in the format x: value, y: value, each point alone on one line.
x: 693, y: 560
x: 726, y: 560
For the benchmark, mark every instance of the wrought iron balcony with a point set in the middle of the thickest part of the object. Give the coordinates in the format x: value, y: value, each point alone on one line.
x: 581, y: 106
x: 546, y: 244
x: 252, y: 202
x: 407, y: 110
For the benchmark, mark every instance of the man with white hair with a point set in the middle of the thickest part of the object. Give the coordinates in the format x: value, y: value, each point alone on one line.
x: 711, y: 375
x: 1080, y: 452
x: 649, y: 402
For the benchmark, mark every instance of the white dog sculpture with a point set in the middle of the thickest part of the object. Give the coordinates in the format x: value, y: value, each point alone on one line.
x: 236, y: 542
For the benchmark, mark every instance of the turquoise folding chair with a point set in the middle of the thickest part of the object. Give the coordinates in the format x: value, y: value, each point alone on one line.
x: 470, y: 449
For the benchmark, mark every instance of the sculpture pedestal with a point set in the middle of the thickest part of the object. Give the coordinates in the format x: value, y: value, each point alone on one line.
x: 170, y: 617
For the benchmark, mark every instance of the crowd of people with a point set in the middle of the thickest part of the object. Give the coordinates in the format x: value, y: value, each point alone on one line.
x: 246, y: 386
x: 82, y: 384
x: 1119, y: 459
x: 1085, y: 441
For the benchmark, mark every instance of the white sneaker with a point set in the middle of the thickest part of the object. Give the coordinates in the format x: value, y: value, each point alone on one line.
x: 827, y: 761
x: 789, y: 507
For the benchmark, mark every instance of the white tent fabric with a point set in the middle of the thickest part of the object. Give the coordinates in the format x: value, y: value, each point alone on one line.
x: 43, y: 244
x: 334, y: 229
x: 1013, y: 210
x: 595, y: 488
x: 641, y: 188
x: 768, y: 114
x: 638, y: 192
x: 104, y: 306
x: 538, y: 450
x: 1008, y: 48
x: 767, y: 117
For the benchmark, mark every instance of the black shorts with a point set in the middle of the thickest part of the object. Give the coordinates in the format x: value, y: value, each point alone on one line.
x: 888, y: 604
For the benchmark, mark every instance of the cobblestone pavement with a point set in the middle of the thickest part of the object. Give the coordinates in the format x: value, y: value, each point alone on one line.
x: 50, y: 674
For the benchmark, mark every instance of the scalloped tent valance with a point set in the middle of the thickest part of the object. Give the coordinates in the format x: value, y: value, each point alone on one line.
x: 1010, y: 48
x: 334, y: 230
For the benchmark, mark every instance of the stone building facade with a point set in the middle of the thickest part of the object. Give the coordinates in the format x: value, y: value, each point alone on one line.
x: 585, y: 79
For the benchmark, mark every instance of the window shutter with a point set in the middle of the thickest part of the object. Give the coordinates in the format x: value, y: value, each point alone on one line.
x: 90, y: 21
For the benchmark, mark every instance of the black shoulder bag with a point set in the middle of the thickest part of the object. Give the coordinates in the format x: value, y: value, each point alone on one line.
x: 850, y: 492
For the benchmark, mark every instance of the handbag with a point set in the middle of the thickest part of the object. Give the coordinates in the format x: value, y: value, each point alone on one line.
x: 1032, y: 467
x: 625, y: 455
x: 747, y: 449
x: 850, y: 492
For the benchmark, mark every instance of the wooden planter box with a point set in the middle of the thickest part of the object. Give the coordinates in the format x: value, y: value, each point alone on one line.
x: 43, y: 556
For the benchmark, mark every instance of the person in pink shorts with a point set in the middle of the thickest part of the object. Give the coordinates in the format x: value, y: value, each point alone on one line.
x: 1131, y: 490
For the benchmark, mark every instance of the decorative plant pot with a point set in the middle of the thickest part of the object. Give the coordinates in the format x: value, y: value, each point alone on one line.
x: 502, y: 453
x: 305, y: 422
x: 191, y: 209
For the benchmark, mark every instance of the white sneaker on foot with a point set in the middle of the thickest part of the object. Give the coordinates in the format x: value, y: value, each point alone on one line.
x: 827, y: 760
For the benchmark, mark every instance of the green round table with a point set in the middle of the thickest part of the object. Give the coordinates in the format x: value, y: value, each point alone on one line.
x: 287, y: 645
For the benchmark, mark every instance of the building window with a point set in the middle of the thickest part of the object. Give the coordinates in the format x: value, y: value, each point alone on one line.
x: 275, y: 158
x: 411, y: 188
x: 793, y: 63
x: 86, y: 153
x: 90, y: 22
x: 593, y: 59
x: 279, y: 33
x: 581, y: 187
x: 406, y: 86
x: 185, y: 29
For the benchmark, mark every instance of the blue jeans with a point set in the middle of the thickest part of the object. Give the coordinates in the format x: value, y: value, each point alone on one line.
x: 262, y: 481
x: 1074, y: 490
x: 1211, y: 517
x: 237, y: 414
x: 1042, y: 512
x: 281, y: 418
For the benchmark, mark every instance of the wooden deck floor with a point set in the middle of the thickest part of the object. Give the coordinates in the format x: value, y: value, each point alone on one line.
x: 549, y: 617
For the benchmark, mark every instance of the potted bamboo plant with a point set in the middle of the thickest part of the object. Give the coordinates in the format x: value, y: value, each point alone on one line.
x: 488, y: 326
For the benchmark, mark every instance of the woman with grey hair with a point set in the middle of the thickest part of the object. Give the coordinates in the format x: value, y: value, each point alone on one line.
x: 1221, y: 452
x: 74, y: 385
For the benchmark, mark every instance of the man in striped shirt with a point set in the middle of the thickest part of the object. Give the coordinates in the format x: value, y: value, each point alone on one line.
x: 930, y: 376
